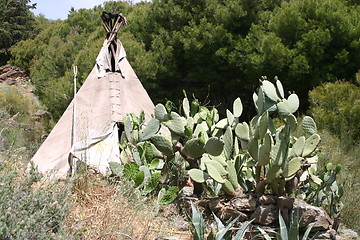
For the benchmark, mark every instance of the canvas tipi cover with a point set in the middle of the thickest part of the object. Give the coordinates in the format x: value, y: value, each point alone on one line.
x: 88, y: 130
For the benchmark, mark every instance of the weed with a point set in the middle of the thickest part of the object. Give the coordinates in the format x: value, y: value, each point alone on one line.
x: 108, y: 210
x: 30, y: 209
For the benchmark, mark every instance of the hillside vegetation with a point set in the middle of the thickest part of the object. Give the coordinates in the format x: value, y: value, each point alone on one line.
x: 212, y: 48
x: 217, y: 51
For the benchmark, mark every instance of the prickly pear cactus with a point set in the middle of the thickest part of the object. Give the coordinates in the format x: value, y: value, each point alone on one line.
x: 225, y: 152
x: 276, y: 156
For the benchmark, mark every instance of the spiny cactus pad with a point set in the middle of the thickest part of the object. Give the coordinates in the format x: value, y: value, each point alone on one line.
x: 176, y: 124
x: 309, y: 125
x: 294, y: 102
x: 311, y: 144
x: 272, y: 173
x: 150, y: 130
x: 197, y: 175
x: 230, y: 117
x: 186, y: 107
x: 270, y: 90
x: 237, y: 107
x: 228, y: 188
x: 229, y: 143
x: 232, y: 174
x: 161, y: 113
x: 291, y: 120
x: 214, y: 146
x: 242, y: 131
x: 263, y: 124
x: 280, y: 89
x: 220, y: 168
x: 284, y: 108
x: 291, y: 167
x: 298, y: 147
x: 163, y: 144
x: 194, y: 148
x: 264, y: 151
x: 214, y: 173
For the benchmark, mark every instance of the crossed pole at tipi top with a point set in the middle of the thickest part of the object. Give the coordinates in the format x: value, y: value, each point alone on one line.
x: 112, y: 23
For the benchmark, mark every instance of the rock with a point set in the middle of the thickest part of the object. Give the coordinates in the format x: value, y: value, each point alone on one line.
x: 330, y: 234
x: 12, y: 74
x: 187, y: 191
x: 309, y: 214
x: 239, y: 192
x: 265, y: 215
x: 347, y: 234
x: 307, y: 217
x: 285, y: 202
x: 285, y: 205
x: 227, y: 213
x: 247, y: 203
x: 215, y: 205
x: 267, y: 200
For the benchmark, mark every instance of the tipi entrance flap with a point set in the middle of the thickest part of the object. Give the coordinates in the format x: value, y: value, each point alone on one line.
x: 98, y: 152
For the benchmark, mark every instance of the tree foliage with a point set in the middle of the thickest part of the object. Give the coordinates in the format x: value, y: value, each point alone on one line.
x: 307, y: 42
x: 16, y: 23
x: 211, y: 48
x: 336, y: 107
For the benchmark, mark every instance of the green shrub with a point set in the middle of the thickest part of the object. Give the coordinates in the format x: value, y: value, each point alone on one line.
x: 19, y: 126
x: 336, y: 108
x: 28, y: 209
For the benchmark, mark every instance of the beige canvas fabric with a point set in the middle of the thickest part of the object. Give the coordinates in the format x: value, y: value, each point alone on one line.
x: 100, y: 104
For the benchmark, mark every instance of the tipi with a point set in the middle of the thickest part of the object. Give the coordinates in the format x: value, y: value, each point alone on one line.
x: 88, y: 129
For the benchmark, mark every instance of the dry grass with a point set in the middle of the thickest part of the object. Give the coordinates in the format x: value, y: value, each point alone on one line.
x: 334, y: 152
x: 104, y: 211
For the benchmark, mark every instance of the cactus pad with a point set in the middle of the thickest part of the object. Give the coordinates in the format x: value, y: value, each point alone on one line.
x: 214, y: 146
x: 228, y: 188
x: 264, y: 151
x: 242, y: 131
x: 294, y: 102
x: 291, y: 121
x: 186, y: 107
x: 161, y: 113
x: 162, y: 144
x: 309, y: 125
x: 284, y: 108
x: 194, y: 148
x: 272, y: 173
x: 150, y: 130
x: 232, y: 175
x: 197, y: 175
x: 237, y: 107
x: 280, y: 89
x: 298, y: 147
x: 291, y: 167
x: 214, y: 173
x: 176, y: 124
x: 270, y: 90
x: 229, y: 143
x: 311, y: 144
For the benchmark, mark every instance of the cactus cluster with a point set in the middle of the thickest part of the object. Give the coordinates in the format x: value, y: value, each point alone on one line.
x: 278, y: 155
x: 225, y: 153
x: 329, y: 193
